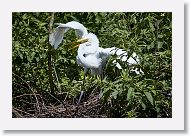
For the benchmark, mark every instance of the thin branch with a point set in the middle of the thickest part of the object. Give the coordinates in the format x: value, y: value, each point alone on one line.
x: 38, y: 107
x: 24, y: 112
x: 59, y: 86
x: 52, y: 86
x: 51, y: 22
x: 24, y: 95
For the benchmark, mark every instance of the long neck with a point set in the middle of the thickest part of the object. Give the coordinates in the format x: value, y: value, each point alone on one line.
x: 81, y: 55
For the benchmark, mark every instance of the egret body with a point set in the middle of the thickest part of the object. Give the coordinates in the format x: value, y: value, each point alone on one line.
x: 89, y: 54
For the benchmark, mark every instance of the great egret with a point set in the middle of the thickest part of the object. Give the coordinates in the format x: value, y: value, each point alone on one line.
x: 90, y: 55
x: 98, y: 56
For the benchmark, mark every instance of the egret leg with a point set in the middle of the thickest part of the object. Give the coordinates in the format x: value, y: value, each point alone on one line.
x: 101, y: 78
x: 81, y: 94
x: 100, y: 73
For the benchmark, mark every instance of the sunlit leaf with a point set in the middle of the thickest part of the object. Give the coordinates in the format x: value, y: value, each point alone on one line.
x: 149, y: 97
x: 130, y: 93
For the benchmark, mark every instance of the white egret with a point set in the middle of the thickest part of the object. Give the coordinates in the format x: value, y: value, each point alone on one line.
x: 90, y: 55
x: 98, y: 56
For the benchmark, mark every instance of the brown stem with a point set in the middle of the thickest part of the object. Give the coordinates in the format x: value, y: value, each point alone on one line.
x: 50, y: 55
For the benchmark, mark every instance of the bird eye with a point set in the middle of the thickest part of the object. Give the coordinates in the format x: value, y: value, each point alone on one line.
x: 84, y: 55
x: 88, y: 44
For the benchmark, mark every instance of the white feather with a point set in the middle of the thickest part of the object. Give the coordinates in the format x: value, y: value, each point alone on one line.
x: 57, y: 36
x: 90, y: 55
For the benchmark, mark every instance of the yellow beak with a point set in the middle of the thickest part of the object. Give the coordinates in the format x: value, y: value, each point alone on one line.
x: 78, y: 42
x: 82, y: 40
x: 74, y: 47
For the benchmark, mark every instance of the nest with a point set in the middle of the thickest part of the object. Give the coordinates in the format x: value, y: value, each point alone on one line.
x: 90, y: 106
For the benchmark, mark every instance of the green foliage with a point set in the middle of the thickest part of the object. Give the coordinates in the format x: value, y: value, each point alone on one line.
x: 125, y: 94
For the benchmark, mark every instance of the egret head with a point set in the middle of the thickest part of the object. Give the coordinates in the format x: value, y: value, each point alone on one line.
x: 89, y: 40
x: 90, y: 37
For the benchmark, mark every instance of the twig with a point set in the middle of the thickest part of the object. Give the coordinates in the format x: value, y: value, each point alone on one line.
x: 38, y: 107
x: 20, y: 85
x: 55, y: 98
x: 65, y: 97
x: 59, y: 86
x: 24, y: 95
x: 59, y: 101
x: 24, y: 112
x: 17, y: 113
x: 51, y: 22
x: 23, y: 81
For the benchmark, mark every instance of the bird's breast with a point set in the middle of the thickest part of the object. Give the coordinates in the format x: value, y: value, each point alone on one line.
x: 89, y: 61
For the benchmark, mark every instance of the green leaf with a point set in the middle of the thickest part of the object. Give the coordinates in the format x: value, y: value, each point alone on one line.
x: 152, y: 26
x: 106, y: 93
x: 37, y: 59
x: 42, y: 24
x: 73, y: 61
x: 29, y: 58
x: 153, y: 91
x: 149, y: 97
x: 157, y: 109
x: 32, y: 55
x: 114, y: 94
x: 160, y: 36
x: 21, y: 56
x: 130, y: 93
x: 160, y: 45
x: 143, y: 105
x: 151, y: 46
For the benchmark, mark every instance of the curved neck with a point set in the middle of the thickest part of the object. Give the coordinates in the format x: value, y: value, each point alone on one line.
x: 81, y: 52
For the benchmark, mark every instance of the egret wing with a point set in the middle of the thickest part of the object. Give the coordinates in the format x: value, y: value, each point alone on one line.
x: 80, y: 30
x: 57, y: 36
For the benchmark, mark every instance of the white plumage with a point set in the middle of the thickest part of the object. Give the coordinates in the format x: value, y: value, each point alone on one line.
x: 90, y: 55
x: 57, y: 36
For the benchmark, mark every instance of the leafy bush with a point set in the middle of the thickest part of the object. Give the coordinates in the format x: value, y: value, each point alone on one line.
x: 123, y: 93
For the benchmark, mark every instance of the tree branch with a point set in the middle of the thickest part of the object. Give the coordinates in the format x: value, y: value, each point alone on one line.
x: 50, y: 55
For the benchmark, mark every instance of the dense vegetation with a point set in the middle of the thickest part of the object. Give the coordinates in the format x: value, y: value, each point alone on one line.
x: 121, y: 93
